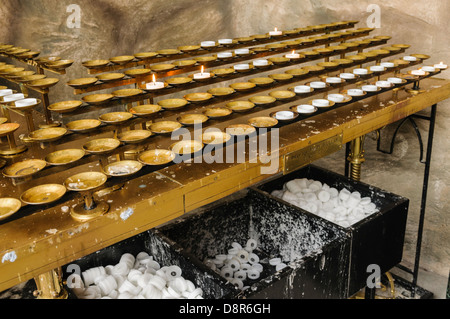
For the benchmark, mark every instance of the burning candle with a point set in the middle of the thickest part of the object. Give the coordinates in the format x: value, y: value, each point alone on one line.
x: 202, y: 75
x: 441, y: 66
x: 293, y: 55
x: 154, y: 85
x: 275, y: 32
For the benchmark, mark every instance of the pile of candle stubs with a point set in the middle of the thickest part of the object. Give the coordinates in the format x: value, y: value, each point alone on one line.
x: 134, y: 278
x: 241, y: 264
x: 341, y: 207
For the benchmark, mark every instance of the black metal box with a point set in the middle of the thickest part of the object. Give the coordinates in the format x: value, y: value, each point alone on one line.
x: 375, y: 240
x: 315, y: 251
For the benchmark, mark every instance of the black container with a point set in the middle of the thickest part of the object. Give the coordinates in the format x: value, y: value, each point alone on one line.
x: 375, y: 240
x: 317, y: 251
x: 163, y: 253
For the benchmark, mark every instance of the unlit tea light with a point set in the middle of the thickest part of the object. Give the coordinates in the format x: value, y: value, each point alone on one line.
x: 377, y: 68
x: 409, y: 58
x: 321, y: 103
x: 14, y: 97
x: 395, y: 80
x: 383, y: 84
x: 25, y: 102
x: 429, y: 69
x: 260, y: 62
x: 6, y: 92
x: 418, y: 72
x: 208, y: 44
x: 347, y: 76
x: 224, y: 55
x: 318, y: 85
x: 242, y: 51
x: 306, y: 109
x: 243, y: 66
x: 360, y: 71
x: 355, y: 92
x: 284, y: 115
x: 338, y: 98
x: 387, y: 64
x: 302, y: 89
x: 225, y: 41
x: 333, y: 80
x: 369, y: 88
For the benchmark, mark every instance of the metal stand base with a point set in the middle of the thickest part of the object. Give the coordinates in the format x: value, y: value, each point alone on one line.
x: 80, y: 213
x: 9, y: 151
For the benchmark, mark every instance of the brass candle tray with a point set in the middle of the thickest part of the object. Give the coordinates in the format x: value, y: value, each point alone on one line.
x: 123, y: 59
x: 138, y: 72
x: 198, y: 97
x: 115, y: 118
x: 83, y: 126
x: 173, y: 104
x: 240, y: 106
x: 262, y: 81
x: 221, y: 91
x: 156, y: 157
x: 43, y: 83
x: 122, y: 168
x: 49, y: 134
x: 127, y: 93
x: 192, y: 119
x: 110, y: 77
x: 134, y: 136
x: 97, y: 99
x: 242, y: 86
x: 263, y: 122
x: 215, y: 138
x: 217, y: 112
x: 282, y: 95
x: 179, y: 81
x: 8, y: 207
x: 85, y: 181
x: 262, y: 100
x: 145, y: 55
x: 65, y: 106
x: 43, y: 194
x: 240, y: 129
x: 25, y: 168
x: 82, y: 82
x: 165, y: 127
x: 60, y: 64
x: 64, y: 157
x: 186, y: 147
x: 145, y: 110
x: 101, y: 146
x: 8, y: 128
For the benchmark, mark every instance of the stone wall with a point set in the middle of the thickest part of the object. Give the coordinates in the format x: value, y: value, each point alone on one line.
x: 115, y: 27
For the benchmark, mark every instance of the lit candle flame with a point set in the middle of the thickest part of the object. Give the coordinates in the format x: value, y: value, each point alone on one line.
x: 293, y: 52
x: 441, y: 63
x: 276, y: 29
x: 154, y: 79
x: 202, y: 69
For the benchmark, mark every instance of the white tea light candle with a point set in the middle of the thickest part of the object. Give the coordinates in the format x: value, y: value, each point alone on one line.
x: 429, y: 69
x: 306, y: 109
x: 154, y: 85
x: 260, y: 62
x: 302, y: 89
x: 337, y: 98
x: 387, y: 64
x: 293, y: 55
x: 395, y: 80
x: 369, y: 88
x: 202, y: 75
x: 347, y: 76
x: 360, y: 71
x: 355, y: 92
x: 410, y: 58
x: 383, y: 84
x: 225, y: 41
x: 242, y: 51
x: 6, y: 92
x: 317, y: 85
x: 419, y: 72
x: 208, y: 44
x: 441, y: 66
x: 224, y: 55
x: 275, y: 32
x: 13, y: 97
x: 333, y: 79
x: 377, y: 68
x: 25, y: 102
x: 321, y: 103
x: 284, y: 115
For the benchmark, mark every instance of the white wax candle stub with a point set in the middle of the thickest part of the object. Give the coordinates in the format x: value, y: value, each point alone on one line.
x: 318, y: 85
x: 207, y: 44
x: 306, y: 108
x: 225, y: 41
x: 242, y: 51
x: 336, y: 97
x: 302, y: 89
x: 13, y: 97
x: 275, y: 32
x: 284, y: 115
x: 347, y: 76
x: 154, y: 85
x: 243, y: 66
x: 387, y: 64
x: 395, y: 80
x: 333, y: 79
x: 355, y: 92
x: 260, y: 62
x: 224, y: 55
x: 383, y: 84
x: 409, y: 58
x: 369, y: 88
x: 321, y: 103
x: 6, y: 92
x: 360, y: 71
x: 429, y: 69
x: 25, y: 102
x: 293, y: 56
x: 418, y: 72
x: 377, y: 68
x: 203, y: 75
x: 440, y: 66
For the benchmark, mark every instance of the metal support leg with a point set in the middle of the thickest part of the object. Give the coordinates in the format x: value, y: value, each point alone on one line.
x: 50, y: 285
x: 356, y: 157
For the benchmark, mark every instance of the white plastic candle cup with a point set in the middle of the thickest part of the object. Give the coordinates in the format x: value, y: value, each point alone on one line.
x: 360, y: 71
x: 347, y: 76
x: 201, y: 76
x: 154, y: 85
x: 383, y: 84
x: 224, y: 55
x: 377, y: 68
x: 317, y: 85
x: 225, y: 41
x: 260, y: 62
x: 25, y: 102
x: 395, y: 80
x: 321, y: 103
x: 242, y: 51
x: 387, y: 64
x: 355, y: 92
x: 429, y: 68
x: 243, y: 66
x: 418, y: 72
x: 293, y: 56
x: 302, y: 89
x: 409, y: 58
x: 208, y: 44
x: 13, y: 97
x: 441, y: 66
x: 336, y: 98
x: 284, y: 115
x: 306, y: 109
x: 369, y: 88
x: 6, y: 92
x: 333, y: 79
